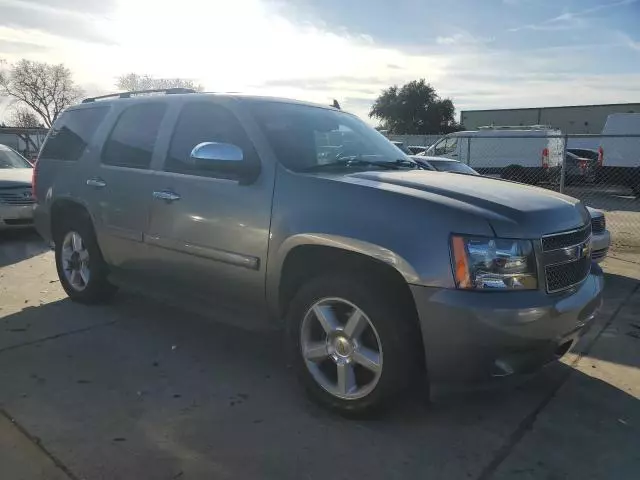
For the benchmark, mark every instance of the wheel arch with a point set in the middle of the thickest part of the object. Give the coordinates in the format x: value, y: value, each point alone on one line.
x: 62, y: 207
x: 303, y: 256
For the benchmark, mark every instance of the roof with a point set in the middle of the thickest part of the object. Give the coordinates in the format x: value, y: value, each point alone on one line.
x: 555, y: 107
x: 171, y: 94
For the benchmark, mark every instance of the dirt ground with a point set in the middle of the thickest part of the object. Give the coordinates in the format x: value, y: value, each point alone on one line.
x: 139, y: 390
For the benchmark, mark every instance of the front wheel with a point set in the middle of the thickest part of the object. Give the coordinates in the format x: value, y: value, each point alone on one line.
x: 81, y: 268
x: 354, y: 347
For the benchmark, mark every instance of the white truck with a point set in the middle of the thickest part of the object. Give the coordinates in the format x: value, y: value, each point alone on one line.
x: 531, y: 154
x: 620, y: 155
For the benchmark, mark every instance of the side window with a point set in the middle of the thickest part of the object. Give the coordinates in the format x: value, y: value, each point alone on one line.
x: 134, y: 136
x: 205, y: 122
x: 72, y: 132
x: 440, y: 148
x: 451, y: 145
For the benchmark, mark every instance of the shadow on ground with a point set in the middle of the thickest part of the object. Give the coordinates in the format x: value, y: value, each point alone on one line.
x: 19, y: 245
x: 148, y: 391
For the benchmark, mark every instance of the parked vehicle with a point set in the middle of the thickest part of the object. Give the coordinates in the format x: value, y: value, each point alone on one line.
x: 589, y: 153
x: 442, y: 164
x: 600, y: 236
x: 620, y: 155
x: 16, y: 201
x: 579, y: 169
x: 402, y: 147
x: 416, y: 149
x: 524, y: 154
x: 383, y: 276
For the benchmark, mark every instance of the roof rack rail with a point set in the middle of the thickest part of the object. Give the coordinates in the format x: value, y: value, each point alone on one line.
x: 168, y: 91
x: 515, y: 127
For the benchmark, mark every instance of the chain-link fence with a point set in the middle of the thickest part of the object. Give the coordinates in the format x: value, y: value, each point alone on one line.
x: 601, y: 170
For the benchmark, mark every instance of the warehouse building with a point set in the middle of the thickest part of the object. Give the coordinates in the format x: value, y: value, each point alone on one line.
x: 570, y: 119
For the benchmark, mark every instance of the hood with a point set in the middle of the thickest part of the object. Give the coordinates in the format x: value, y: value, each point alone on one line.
x: 15, y: 177
x: 514, y: 210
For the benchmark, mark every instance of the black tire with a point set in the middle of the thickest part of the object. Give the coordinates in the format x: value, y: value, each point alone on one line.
x: 98, y: 289
x: 396, y: 327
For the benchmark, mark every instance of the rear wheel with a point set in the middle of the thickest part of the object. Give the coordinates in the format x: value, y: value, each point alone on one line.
x: 354, y: 347
x: 81, y: 268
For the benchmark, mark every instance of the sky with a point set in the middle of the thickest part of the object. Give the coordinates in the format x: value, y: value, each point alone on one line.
x: 481, y: 54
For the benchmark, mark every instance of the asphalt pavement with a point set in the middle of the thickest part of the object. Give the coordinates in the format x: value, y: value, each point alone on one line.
x: 141, y: 390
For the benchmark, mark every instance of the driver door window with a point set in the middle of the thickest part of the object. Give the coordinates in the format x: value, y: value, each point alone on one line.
x: 205, y: 122
x: 451, y: 146
x: 440, y: 147
x: 446, y: 146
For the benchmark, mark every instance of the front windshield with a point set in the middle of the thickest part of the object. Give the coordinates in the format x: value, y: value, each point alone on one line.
x: 11, y: 159
x: 456, y: 167
x: 304, y: 137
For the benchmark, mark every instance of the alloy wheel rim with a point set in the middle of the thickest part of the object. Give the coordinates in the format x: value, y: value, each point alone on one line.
x: 341, y: 348
x: 75, y: 261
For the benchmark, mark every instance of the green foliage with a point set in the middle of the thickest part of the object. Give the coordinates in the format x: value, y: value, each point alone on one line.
x: 414, y: 108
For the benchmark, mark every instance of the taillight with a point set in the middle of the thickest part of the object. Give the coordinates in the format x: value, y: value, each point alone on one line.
x: 33, y: 181
x: 545, y: 158
x: 600, y: 156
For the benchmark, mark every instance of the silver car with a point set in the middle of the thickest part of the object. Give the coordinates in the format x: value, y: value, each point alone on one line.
x: 275, y: 213
x: 16, y: 200
x: 600, y: 236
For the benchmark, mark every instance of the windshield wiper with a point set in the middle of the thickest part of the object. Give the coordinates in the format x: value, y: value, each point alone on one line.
x: 355, y: 161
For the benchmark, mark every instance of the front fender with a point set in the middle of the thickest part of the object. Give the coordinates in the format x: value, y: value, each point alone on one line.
x: 276, y: 260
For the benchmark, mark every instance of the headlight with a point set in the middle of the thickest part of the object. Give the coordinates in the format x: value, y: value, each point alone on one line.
x: 493, y: 263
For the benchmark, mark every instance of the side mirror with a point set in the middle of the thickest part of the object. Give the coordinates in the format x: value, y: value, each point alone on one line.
x: 224, y: 158
x: 211, y: 154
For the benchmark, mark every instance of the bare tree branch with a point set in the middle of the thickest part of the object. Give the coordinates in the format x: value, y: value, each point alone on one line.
x: 134, y: 81
x: 24, y: 118
x: 45, y: 88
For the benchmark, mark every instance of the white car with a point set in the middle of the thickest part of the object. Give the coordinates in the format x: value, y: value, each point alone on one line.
x: 600, y: 236
x: 16, y: 199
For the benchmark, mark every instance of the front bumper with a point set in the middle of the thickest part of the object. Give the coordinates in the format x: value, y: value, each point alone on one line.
x: 600, y: 245
x: 16, y: 216
x: 472, y: 337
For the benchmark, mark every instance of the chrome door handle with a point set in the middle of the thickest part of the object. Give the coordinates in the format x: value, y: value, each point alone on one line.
x: 96, y: 182
x: 166, y: 195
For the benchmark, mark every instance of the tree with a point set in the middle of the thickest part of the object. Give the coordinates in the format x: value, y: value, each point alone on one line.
x: 414, y: 108
x: 45, y: 88
x: 134, y: 81
x: 24, y: 118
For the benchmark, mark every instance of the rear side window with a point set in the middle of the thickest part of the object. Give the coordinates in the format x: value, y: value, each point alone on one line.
x: 72, y: 132
x: 134, y: 136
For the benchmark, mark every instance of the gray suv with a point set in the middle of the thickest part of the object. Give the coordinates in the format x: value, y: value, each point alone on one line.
x: 275, y: 213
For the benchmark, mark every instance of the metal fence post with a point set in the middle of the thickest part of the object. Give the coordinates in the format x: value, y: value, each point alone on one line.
x: 563, y: 166
x: 469, y: 151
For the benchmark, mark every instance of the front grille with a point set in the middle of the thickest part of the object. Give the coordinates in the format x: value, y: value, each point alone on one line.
x: 598, y: 224
x: 565, y: 239
x: 564, y: 275
x: 16, y: 196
